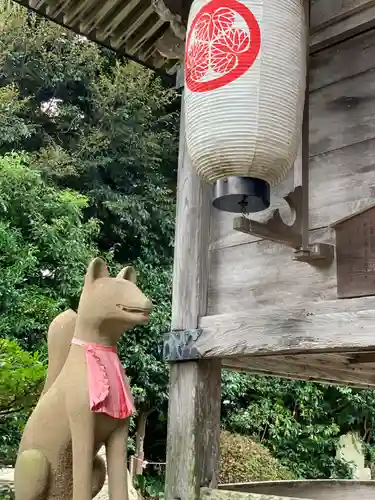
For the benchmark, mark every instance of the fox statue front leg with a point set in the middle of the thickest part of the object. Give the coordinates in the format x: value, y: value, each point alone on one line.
x: 82, y: 430
x: 116, y: 450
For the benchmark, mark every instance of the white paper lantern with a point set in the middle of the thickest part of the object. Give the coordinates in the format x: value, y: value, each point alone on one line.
x: 245, y: 74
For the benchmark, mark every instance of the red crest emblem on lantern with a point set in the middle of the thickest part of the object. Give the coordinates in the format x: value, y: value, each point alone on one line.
x: 222, y: 44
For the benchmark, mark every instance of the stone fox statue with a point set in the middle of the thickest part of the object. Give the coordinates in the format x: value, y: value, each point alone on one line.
x: 89, y: 402
x: 59, y: 338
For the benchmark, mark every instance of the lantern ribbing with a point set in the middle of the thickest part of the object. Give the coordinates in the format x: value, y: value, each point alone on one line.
x: 245, y: 70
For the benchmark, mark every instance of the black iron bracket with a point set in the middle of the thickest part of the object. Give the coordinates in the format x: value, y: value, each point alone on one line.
x: 179, y: 345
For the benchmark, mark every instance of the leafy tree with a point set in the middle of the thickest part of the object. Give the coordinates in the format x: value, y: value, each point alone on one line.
x: 44, y: 249
x: 300, y: 422
x: 21, y: 377
x: 97, y: 173
x: 100, y: 126
x: 108, y: 130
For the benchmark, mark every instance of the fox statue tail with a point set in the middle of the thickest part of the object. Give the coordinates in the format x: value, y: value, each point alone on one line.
x: 59, y: 337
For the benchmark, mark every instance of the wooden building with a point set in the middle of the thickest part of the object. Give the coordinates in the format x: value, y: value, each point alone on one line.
x: 241, y: 299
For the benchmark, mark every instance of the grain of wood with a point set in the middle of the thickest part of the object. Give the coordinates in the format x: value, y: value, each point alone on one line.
x: 262, y: 273
x: 337, y: 360
x: 241, y: 367
x: 318, y: 489
x: 329, y: 66
x: 325, y: 13
x: 342, y: 145
x: 181, y: 475
x: 341, y: 183
x: 327, y: 325
x: 193, y: 428
x: 190, y: 270
x: 210, y: 494
x: 194, y: 389
x: 319, y: 372
x: 342, y: 30
x: 342, y: 114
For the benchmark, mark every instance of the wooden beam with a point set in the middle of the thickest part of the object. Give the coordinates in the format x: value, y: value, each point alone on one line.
x: 318, y: 489
x: 325, y: 326
x: 194, y: 394
x: 336, y: 20
x: 363, y: 358
x: 325, y: 372
x: 294, y: 376
x: 325, y: 13
x: 208, y: 494
x: 193, y: 428
x: 190, y: 271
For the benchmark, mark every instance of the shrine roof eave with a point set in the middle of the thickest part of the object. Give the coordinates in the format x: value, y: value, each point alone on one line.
x: 150, y: 32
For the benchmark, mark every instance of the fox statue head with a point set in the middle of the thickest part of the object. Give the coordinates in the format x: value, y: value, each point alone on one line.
x: 109, y: 306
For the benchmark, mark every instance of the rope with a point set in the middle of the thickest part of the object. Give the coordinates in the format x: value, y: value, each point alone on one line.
x: 147, y: 462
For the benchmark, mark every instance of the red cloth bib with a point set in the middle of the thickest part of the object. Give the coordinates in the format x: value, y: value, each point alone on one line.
x: 109, y: 387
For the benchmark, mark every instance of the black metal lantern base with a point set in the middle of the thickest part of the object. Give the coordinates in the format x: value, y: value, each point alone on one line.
x: 241, y: 195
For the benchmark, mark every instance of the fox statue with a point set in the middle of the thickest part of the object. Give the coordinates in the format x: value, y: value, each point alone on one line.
x: 59, y: 337
x: 86, y: 401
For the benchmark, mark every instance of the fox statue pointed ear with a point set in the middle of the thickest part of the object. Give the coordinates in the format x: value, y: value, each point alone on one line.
x: 128, y: 273
x: 97, y: 269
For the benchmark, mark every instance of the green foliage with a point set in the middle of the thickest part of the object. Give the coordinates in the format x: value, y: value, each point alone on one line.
x: 44, y: 249
x: 150, y: 487
x: 300, y: 422
x: 244, y: 460
x: 11, y: 108
x: 21, y: 377
x: 104, y: 128
x: 97, y: 174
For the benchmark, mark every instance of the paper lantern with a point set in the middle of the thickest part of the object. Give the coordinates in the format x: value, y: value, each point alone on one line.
x: 245, y: 74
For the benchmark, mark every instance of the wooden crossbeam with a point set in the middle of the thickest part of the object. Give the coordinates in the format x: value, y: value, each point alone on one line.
x: 212, y: 494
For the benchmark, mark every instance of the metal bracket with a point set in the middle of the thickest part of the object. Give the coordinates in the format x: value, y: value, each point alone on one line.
x: 179, y: 345
x: 274, y: 228
x: 317, y: 252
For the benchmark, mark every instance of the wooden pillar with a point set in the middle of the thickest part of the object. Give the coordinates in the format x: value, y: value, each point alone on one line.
x: 194, y: 391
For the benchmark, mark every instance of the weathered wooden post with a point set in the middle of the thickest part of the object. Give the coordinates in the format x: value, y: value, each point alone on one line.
x: 194, y: 397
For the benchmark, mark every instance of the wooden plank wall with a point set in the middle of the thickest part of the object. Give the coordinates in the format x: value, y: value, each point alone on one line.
x: 245, y: 272
x: 332, y: 21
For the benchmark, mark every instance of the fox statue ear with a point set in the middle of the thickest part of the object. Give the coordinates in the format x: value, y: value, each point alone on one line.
x: 128, y: 273
x: 97, y: 269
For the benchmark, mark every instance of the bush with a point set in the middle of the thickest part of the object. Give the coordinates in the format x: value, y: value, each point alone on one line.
x: 21, y: 378
x: 244, y: 460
